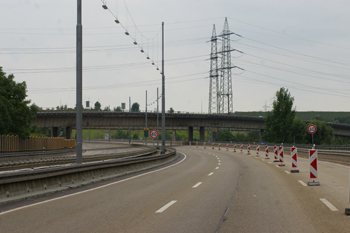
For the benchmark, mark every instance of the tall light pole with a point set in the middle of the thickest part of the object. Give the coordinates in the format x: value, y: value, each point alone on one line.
x: 163, y: 94
x: 129, y: 123
x: 146, y: 119
x: 157, y: 119
x: 79, y: 87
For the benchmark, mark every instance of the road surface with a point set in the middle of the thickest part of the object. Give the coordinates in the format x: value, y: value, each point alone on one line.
x: 205, y: 190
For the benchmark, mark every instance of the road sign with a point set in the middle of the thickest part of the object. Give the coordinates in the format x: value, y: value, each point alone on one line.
x: 311, y: 129
x: 154, y: 134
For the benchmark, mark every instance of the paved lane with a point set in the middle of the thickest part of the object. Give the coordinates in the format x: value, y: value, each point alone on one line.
x: 193, y: 196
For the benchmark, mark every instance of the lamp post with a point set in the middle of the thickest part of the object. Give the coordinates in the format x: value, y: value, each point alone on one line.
x: 79, y: 85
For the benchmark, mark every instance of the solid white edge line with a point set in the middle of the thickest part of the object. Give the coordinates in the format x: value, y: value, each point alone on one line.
x: 328, y: 204
x: 103, y: 186
x: 196, y: 185
x: 211, y: 173
x: 302, y: 183
x: 166, y: 206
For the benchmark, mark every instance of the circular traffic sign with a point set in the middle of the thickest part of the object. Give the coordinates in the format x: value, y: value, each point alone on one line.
x: 154, y: 134
x: 311, y: 129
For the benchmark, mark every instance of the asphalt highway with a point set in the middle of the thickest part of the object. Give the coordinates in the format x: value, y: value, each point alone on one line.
x: 204, y: 191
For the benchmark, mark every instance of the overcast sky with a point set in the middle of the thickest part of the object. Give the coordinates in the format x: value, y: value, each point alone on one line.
x: 301, y: 45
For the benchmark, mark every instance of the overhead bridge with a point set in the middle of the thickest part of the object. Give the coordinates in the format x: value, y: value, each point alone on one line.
x: 174, y: 121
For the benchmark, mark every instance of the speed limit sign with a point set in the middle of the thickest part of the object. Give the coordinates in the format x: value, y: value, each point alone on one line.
x: 311, y: 129
x: 154, y: 134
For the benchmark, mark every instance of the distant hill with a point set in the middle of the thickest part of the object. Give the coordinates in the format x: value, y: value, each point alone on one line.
x: 337, y: 117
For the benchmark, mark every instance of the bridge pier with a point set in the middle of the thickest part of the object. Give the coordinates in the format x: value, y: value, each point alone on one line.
x: 260, y: 135
x: 68, y: 132
x: 54, y: 132
x: 190, y: 133
x: 201, y: 134
x: 174, y: 135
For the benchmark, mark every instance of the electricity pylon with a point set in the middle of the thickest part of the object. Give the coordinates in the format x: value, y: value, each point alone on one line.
x: 226, y: 95
x: 214, y: 76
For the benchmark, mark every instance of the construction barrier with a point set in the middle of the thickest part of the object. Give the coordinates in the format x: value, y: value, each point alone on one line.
x: 241, y: 148
x: 294, y: 155
x: 226, y: 146
x: 234, y: 147
x: 281, y: 155
x: 313, y: 164
x: 267, y: 152
x: 257, y: 150
x: 10, y: 143
x: 275, y: 151
x: 248, y: 149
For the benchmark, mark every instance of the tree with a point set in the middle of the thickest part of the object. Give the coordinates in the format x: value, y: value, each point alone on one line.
x: 240, y: 136
x: 107, y: 109
x: 97, y: 106
x: 171, y: 110
x: 225, y: 136
x: 323, y: 135
x: 299, y: 131
x: 278, y: 122
x: 135, y: 107
x: 135, y: 136
x: 117, y: 109
x: 15, y: 114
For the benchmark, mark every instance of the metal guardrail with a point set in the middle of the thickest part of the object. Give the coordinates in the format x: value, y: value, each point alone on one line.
x: 25, y: 175
x: 31, y: 163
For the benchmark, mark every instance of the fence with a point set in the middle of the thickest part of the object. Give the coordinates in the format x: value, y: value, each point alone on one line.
x: 10, y: 143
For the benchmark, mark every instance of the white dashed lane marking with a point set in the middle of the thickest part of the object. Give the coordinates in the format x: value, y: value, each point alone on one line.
x: 196, y: 185
x: 328, y: 204
x: 166, y: 206
x: 211, y: 173
x: 302, y: 183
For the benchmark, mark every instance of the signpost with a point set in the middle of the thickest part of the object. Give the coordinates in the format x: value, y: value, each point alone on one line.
x: 153, y: 134
x: 311, y: 129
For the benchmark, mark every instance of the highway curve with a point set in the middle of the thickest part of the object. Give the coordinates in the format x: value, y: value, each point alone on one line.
x: 204, y: 191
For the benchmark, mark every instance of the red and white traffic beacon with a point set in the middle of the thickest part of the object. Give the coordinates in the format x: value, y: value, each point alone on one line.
x: 257, y: 150
x: 275, y: 152
x: 219, y: 146
x: 241, y: 148
x: 311, y: 129
x: 190, y: 143
x: 226, y: 146
x: 234, y: 147
x: 267, y: 152
x: 294, y: 155
x: 248, y: 149
x: 281, y: 155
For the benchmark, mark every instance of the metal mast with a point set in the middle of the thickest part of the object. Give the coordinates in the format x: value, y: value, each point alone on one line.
x: 226, y: 96
x: 214, y: 98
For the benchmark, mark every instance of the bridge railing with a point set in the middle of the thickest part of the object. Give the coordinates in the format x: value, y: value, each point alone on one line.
x: 11, y: 143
